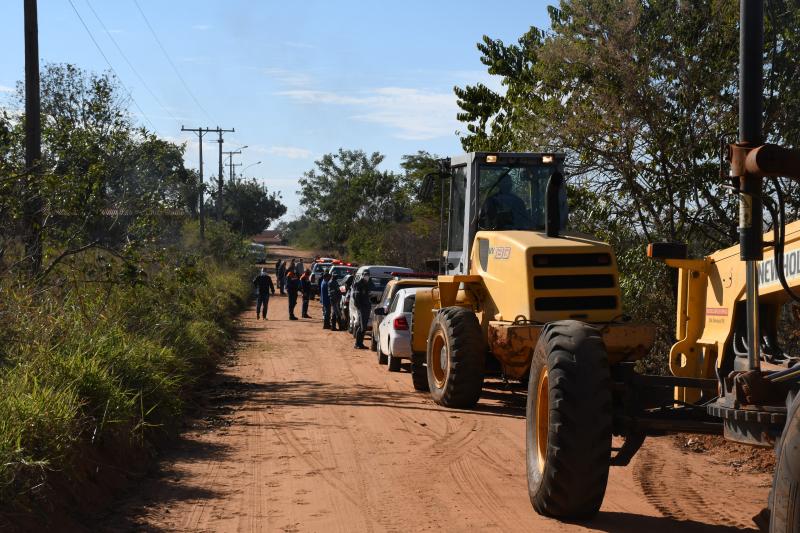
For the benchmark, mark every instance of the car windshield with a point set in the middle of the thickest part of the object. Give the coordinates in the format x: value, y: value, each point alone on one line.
x: 512, y: 197
x: 378, y: 284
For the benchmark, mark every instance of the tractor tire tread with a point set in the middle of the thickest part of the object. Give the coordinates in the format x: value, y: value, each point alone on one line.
x: 574, y: 480
x: 467, y: 358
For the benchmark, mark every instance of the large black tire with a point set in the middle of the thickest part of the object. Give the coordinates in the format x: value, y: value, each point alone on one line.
x: 568, y: 422
x: 419, y: 374
x: 784, y: 499
x: 456, y: 358
x: 373, y: 344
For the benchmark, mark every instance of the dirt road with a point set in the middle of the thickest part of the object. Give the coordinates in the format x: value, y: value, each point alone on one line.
x: 304, y: 433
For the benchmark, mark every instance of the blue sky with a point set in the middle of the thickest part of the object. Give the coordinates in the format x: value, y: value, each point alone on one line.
x: 296, y: 79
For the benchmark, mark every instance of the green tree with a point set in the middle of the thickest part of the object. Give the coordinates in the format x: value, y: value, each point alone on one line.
x: 346, y: 192
x: 104, y: 180
x: 249, y: 207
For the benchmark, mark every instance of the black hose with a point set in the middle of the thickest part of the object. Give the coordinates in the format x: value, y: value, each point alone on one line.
x: 780, y: 241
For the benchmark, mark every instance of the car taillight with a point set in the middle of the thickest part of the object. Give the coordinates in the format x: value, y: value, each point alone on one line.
x: 400, y: 323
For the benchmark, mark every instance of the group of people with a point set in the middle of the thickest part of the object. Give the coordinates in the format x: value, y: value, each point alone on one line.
x: 293, y: 279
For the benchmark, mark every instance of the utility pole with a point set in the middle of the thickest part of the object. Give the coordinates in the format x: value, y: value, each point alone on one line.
x: 201, y: 208
x: 230, y: 154
x: 32, y: 214
x: 220, y: 176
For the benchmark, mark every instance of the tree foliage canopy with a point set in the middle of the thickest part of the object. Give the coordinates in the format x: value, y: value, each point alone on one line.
x: 641, y: 95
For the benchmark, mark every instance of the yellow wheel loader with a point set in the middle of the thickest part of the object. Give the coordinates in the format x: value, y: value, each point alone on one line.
x: 520, y: 295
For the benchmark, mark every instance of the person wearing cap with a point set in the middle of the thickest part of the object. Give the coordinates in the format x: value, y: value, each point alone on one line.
x: 263, y: 283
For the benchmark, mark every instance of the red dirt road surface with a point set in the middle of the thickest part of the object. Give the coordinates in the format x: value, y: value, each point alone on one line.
x: 304, y: 433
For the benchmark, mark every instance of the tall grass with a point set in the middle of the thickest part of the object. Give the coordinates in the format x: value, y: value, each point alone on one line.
x: 93, y: 362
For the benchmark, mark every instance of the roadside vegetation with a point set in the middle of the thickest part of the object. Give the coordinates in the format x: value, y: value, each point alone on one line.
x: 112, y: 307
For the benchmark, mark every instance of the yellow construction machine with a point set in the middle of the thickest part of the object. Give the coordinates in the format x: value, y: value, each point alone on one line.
x: 509, y: 268
x: 730, y: 374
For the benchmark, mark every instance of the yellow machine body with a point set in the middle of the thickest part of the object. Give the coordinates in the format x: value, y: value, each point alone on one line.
x: 520, y: 280
x: 709, y: 290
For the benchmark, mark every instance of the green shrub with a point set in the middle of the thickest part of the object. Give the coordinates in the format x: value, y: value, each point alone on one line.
x: 88, y: 361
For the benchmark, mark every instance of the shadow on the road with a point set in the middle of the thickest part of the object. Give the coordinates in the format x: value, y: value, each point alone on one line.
x: 164, y: 488
x: 616, y: 522
x: 313, y: 393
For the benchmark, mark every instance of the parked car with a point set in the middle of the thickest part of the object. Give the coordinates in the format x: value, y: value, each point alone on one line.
x: 339, y: 272
x: 317, y: 271
x: 391, y: 289
x: 394, y: 328
x: 379, y: 277
x: 258, y: 253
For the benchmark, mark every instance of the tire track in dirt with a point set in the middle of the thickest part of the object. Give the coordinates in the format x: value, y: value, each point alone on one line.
x: 678, y: 489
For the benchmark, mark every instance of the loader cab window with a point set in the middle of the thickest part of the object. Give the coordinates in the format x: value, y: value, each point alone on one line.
x: 512, y: 197
x: 455, y: 227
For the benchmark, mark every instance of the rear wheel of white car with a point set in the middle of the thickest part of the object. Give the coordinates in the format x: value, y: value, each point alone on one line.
x: 394, y: 364
x: 382, y: 359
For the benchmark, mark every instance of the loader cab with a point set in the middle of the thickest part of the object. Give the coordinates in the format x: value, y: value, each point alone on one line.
x: 497, y: 191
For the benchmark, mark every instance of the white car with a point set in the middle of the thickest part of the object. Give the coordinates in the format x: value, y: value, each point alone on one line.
x: 394, y: 330
x: 379, y: 276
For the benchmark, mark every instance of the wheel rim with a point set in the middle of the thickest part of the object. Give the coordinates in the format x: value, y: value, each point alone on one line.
x: 542, y: 417
x: 440, y: 361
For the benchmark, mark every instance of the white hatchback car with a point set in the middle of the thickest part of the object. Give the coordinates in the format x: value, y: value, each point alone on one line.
x: 394, y: 330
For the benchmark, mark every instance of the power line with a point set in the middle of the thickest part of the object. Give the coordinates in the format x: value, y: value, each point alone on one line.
x: 125, y: 57
x: 119, y: 79
x: 172, y: 63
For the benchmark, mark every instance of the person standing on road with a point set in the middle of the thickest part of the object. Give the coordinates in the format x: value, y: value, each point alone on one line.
x: 280, y: 271
x: 291, y: 269
x: 263, y: 282
x: 292, y: 286
x: 325, y: 300
x: 364, y: 306
x: 335, y: 299
x: 305, y: 287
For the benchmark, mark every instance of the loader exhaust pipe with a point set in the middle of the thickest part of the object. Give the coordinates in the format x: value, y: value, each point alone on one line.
x: 552, y: 215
